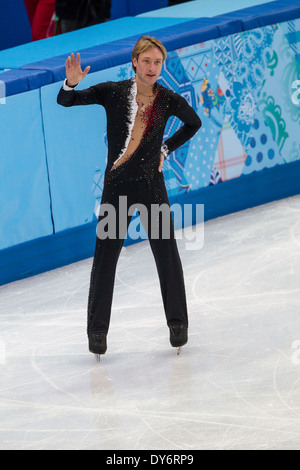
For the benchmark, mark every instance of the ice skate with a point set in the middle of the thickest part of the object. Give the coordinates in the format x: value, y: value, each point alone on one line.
x: 98, y: 344
x: 178, y: 336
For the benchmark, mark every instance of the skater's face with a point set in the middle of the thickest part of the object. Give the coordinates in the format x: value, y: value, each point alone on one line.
x: 148, y: 66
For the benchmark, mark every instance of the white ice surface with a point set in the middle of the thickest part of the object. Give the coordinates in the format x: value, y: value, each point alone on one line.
x: 236, y: 384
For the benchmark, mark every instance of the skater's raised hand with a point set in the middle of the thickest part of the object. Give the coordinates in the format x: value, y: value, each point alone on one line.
x: 73, y: 70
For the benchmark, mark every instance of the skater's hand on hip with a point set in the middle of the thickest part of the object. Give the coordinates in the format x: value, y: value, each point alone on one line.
x: 73, y: 70
x: 162, y: 159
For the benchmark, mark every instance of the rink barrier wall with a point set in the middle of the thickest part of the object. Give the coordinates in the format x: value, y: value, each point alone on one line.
x: 38, y: 51
x: 51, y: 224
x: 76, y: 244
x: 110, y: 54
x: 197, y: 8
x: 104, y: 54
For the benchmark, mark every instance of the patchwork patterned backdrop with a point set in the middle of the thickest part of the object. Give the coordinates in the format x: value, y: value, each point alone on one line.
x: 241, y: 87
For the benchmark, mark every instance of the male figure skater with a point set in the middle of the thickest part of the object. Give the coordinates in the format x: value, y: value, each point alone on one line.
x: 137, y: 112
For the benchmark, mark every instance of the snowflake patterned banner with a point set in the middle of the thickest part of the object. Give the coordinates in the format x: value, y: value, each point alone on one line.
x: 241, y: 87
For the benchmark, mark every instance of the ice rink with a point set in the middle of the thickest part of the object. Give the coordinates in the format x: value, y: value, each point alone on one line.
x: 236, y: 385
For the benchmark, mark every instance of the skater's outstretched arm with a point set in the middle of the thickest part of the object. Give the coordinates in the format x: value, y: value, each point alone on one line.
x: 68, y: 96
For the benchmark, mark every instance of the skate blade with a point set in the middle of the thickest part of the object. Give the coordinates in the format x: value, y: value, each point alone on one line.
x: 98, y: 358
x: 178, y: 351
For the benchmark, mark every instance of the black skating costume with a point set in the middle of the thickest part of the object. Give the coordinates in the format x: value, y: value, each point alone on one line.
x: 138, y: 178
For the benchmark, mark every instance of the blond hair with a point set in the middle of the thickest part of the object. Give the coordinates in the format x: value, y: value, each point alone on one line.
x: 144, y: 44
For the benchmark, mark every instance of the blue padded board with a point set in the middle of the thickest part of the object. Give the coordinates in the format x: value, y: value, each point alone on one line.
x: 37, y: 51
x: 119, y: 52
x: 20, y: 81
x: 270, y: 13
x: 200, y: 8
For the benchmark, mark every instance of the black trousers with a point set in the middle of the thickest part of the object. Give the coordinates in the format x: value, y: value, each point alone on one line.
x: 164, y: 249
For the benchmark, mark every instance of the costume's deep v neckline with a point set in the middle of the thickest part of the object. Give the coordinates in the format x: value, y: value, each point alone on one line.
x: 139, y: 114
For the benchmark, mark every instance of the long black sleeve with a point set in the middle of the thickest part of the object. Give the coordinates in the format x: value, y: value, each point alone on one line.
x: 192, y: 124
x: 96, y: 94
